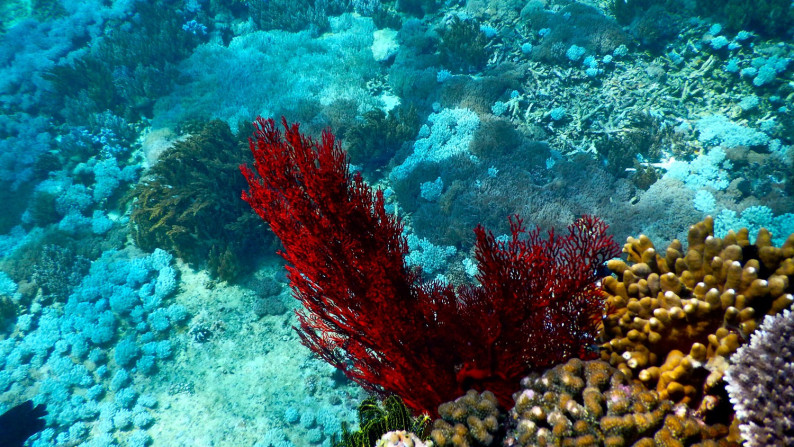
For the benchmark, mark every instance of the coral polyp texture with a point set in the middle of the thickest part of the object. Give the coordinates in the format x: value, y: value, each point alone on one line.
x: 761, y: 383
x: 678, y: 316
x: 591, y: 403
x: 472, y: 419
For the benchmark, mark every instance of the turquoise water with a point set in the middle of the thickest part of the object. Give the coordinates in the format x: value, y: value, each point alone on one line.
x: 143, y: 301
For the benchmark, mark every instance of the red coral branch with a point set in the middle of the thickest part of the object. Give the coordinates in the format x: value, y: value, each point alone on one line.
x: 368, y: 314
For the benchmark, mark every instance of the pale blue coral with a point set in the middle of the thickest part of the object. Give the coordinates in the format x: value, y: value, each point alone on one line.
x: 432, y: 258
x: 448, y: 133
x: 431, y: 191
x: 720, y: 130
x: 707, y: 170
x: 704, y: 201
x: 754, y: 218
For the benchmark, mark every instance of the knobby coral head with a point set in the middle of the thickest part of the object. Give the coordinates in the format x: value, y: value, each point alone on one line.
x: 370, y: 315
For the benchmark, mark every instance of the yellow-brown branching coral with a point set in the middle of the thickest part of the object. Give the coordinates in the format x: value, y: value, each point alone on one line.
x: 678, y: 315
x: 592, y: 403
x: 470, y: 420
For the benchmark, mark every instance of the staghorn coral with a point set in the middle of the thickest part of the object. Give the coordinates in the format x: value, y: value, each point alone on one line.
x: 592, y: 403
x: 761, y: 383
x: 189, y: 203
x: 470, y: 420
x: 677, y: 318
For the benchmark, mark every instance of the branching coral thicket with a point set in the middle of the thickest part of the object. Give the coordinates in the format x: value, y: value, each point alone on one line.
x: 679, y: 316
x: 369, y: 315
x: 188, y: 203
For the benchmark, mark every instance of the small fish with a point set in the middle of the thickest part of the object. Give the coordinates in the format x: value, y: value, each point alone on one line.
x: 603, y: 271
x: 20, y: 423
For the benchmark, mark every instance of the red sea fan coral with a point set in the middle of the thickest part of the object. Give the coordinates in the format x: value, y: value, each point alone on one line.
x: 368, y: 314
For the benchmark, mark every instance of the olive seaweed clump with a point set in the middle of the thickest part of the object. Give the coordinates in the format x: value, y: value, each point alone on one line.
x: 189, y: 204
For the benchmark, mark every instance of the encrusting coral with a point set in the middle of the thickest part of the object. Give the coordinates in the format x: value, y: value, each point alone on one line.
x: 761, y: 383
x: 678, y: 316
x: 592, y: 403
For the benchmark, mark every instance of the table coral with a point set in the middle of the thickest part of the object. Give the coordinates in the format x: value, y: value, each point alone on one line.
x: 677, y: 317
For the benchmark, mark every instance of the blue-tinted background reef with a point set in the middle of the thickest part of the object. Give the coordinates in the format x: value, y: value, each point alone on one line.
x: 144, y: 303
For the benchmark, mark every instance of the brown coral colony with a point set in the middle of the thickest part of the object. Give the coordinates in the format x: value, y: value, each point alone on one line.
x: 678, y: 317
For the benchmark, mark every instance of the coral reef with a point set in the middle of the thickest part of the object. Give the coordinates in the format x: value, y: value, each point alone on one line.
x: 644, y: 139
x: 58, y: 270
x: 577, y: 25
x: 761, y: 383
x: 8, y: 309
x: 472, y: 419
x: 653, y: 23
x: 536, y: 303
x: 295, y: 16
x: 188, y: 203
x: 400, y: 438
x: 418, y: 7
x: 591, y: 403
x: 676, y: 318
